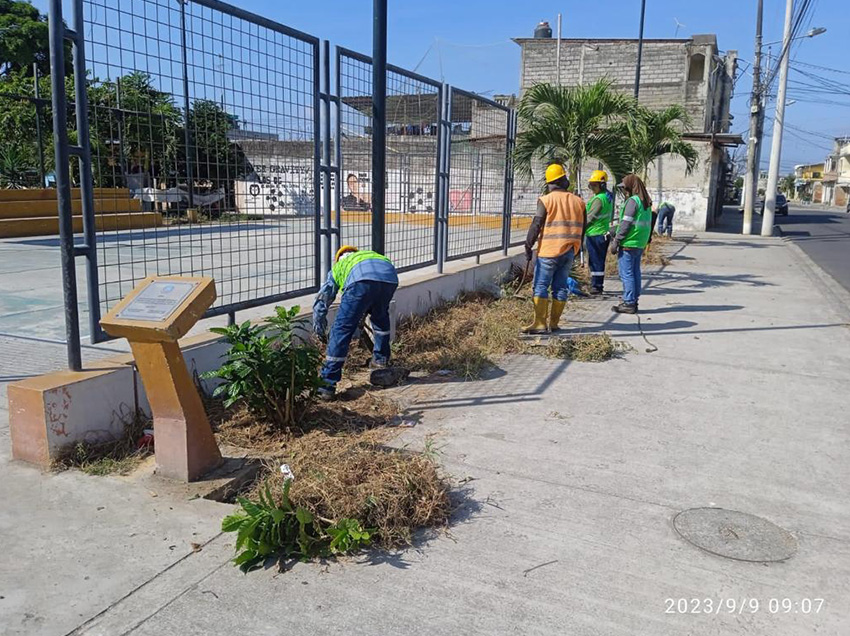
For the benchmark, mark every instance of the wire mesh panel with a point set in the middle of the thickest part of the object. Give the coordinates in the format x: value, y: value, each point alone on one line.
x: 476, y: 205
x: 204, y: 127
x: 26, y: 140
x: 412, y: 109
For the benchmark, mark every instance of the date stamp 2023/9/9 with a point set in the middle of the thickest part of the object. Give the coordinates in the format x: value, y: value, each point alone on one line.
x: 743, y: 605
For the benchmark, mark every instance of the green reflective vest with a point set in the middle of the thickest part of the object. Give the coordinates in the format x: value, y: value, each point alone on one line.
x: 602, y: 222
x: 640, y: 231
x: 342, y: 268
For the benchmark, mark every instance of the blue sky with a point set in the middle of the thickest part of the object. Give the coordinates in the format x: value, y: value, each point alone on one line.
x: 467, y: 42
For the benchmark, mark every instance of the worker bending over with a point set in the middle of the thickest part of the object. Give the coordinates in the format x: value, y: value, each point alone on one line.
x: 600, y: 210
x: 665, y: 218
x: 367, y: 281
x: 558, y: 229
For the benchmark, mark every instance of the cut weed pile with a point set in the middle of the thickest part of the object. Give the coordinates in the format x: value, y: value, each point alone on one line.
x: 119, y: 456
x: 655, y: 254
x: 343, y: 468
x: 392, y: 492
x: 465, y: 336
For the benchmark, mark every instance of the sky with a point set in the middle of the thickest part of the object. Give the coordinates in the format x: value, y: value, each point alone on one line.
x: 467, y: 43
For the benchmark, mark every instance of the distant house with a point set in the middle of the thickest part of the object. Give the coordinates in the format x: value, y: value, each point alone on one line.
x: 836, y: 175
x: 690, y: 72
x: 808, y: 182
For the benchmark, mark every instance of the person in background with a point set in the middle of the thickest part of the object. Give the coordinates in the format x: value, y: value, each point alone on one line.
x: 558, y: 229
x: 665, y: 218
x: 367, y: 281
x: 634, y: 229
x: 600, y: 210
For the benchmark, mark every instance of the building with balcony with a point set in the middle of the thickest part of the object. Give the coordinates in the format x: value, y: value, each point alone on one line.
x: 808, y: 182
x: 836, y: 175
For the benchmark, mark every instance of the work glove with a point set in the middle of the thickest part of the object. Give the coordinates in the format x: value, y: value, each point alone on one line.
x: 320, y: 328
x: 615, y: 246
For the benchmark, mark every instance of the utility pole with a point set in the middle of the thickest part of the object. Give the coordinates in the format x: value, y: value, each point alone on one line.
x: 640, y: 48
x: 778, y: 124
x: 379, y: 123
x: 751, y: 176
x: 558, y: 54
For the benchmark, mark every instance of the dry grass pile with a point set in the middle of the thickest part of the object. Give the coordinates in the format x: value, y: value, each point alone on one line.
x: 118, y: 456
x: 596, y: 347
x: 356, y: 476
x: 463, y: 335
x: 654, y: 254
x: 354, y: 411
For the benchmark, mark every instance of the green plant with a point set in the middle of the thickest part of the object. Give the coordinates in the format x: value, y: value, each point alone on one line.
x: 15, y: 170
x: 266, y: 528
x: 267, y: 368
x: 571, y: 124
x: 652, y: 134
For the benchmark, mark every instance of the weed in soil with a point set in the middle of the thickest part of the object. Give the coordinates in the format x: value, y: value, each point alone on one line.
x: 118, y: 456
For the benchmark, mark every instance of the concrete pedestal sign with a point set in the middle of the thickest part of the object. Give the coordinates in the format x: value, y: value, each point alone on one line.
x: 152, y: 318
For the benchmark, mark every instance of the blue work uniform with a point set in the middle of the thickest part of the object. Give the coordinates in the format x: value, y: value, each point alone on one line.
x: 368, y: 288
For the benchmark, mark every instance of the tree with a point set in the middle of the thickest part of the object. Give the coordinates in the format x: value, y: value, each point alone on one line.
x: 655, y: 133
x: 24, y: 39
x: 788, y: 185
x: 216, y: 158
x: 135, y: 128
x: 571, y: 124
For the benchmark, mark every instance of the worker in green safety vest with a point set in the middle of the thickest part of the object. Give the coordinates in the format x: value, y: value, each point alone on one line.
x: 367, y: 281
x: 634, y: 229
x: 599, y: 213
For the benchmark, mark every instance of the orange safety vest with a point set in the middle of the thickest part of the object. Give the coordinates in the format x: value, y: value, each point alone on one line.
x: 564, y: 222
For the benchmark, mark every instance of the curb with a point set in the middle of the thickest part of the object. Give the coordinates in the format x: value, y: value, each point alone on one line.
x: 836, y: 296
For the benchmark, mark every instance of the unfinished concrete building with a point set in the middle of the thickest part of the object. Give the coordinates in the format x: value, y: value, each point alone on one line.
x: 690, y: 72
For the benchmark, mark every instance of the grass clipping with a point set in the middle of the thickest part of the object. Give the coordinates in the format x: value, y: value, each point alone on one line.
x: 390, y: 491
x: 465, y: 336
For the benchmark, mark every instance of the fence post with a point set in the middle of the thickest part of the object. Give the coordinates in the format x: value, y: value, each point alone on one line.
x: 326, y: 157
x: 187, y: 135
x: 379, y: 124
x: 86, y: 176
x: 336, y: 236
x: 509, y: 182
x: 40, y: 140
x: 56, y: 37
x: 438, y: 186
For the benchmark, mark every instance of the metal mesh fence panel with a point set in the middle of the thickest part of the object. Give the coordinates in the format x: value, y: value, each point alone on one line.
x: 26, y: 139
x: 413, y: 107
x: 476, y: 205
x: 204, y: 135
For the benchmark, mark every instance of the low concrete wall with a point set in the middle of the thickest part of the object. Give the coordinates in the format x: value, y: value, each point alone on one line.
x: 52, y: 411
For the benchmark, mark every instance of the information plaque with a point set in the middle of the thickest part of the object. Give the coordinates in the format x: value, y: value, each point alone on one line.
x: 157, y: 301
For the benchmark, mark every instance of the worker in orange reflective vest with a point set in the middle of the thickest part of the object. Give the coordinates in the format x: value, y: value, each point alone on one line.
x: 558, y: 229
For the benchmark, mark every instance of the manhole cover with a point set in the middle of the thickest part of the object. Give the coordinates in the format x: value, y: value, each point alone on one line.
x: 735, y: 535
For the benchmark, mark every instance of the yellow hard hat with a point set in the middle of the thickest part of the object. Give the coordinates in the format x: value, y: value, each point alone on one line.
x: 599, y: 176
x: 554, y: 172
x: 345, y: 249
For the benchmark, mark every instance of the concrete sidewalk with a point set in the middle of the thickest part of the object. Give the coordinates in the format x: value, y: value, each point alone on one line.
x: 572, y: 474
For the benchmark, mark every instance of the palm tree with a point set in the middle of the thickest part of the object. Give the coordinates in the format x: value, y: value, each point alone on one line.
x: 571, y: 124
x: 654, y: 133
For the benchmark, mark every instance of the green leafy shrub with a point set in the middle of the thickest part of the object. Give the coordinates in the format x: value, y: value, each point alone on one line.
x: 266, y: 528
x: 267, y: 369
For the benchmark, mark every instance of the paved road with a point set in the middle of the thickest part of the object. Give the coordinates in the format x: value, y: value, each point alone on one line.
x: 824, y: 235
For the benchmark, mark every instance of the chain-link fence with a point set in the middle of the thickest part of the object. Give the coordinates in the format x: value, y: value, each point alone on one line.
x: 209, y: 135
x: 204, y: 129
x: 26, y: 142
x: 412, y: 111
x: 477, y: 209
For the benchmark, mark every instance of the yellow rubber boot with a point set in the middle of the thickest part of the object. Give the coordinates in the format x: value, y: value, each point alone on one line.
x: 541, y: 311
x: 555, y: 316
